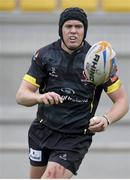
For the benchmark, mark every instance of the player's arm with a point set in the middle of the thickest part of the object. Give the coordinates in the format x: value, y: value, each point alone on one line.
x: 120, y: 105
x: 27, y: 95
x: 116, y: 112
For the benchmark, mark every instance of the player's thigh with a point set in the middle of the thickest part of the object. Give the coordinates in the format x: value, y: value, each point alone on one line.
x: 36, y: 172
x: 56, y: 171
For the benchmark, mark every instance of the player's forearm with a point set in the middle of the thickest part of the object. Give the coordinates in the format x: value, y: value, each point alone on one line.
x: 26, y: 98
x: 118, y: 110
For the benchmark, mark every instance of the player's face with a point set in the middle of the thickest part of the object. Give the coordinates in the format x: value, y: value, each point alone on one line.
x: 73, y: 33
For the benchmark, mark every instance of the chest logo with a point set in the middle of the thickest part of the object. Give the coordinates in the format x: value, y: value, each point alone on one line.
x: 67, y: 90
x: 53, y: 72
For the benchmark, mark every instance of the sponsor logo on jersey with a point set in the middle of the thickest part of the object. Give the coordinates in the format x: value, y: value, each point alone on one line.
x: 69, y: 95
x: 73, y: 99
x: 67, y: 90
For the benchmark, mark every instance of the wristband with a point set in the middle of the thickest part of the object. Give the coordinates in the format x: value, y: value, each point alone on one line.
x: 105, y: 117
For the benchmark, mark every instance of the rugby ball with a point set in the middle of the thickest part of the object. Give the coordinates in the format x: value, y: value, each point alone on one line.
x: 98, y: 62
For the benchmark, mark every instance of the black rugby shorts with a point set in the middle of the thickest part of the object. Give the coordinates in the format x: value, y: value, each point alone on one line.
x: 47, y: 145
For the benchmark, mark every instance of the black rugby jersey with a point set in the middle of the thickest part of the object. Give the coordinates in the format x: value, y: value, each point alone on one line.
x: 53, y: 69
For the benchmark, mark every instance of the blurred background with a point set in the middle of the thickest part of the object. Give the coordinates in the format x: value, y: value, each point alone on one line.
x: 27, y: 25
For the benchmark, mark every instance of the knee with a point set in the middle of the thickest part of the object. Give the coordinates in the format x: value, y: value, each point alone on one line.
x: 54, y: 171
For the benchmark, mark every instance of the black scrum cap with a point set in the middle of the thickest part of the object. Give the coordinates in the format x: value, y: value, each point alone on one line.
x: 73, y: 14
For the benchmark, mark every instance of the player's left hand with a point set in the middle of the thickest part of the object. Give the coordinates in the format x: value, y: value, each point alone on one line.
x: 98, y: 124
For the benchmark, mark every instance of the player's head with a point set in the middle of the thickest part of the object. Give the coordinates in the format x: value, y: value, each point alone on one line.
x: 70, y: 15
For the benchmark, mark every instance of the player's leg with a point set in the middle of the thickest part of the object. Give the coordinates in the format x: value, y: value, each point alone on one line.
x: 38, y: 160
x: 38, y: 155
x: 62, y: 164
x: 37, y: 172
x: 56, y: 171
x: 65, y: 163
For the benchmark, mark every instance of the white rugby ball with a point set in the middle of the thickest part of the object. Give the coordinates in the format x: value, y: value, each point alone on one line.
x: 98, y: 62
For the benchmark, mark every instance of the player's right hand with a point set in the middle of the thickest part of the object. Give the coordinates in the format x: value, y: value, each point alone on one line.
x: 49, y: 98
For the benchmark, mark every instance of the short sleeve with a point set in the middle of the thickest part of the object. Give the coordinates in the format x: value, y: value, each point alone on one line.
x: 36, y: 73
x: 113, y: 83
